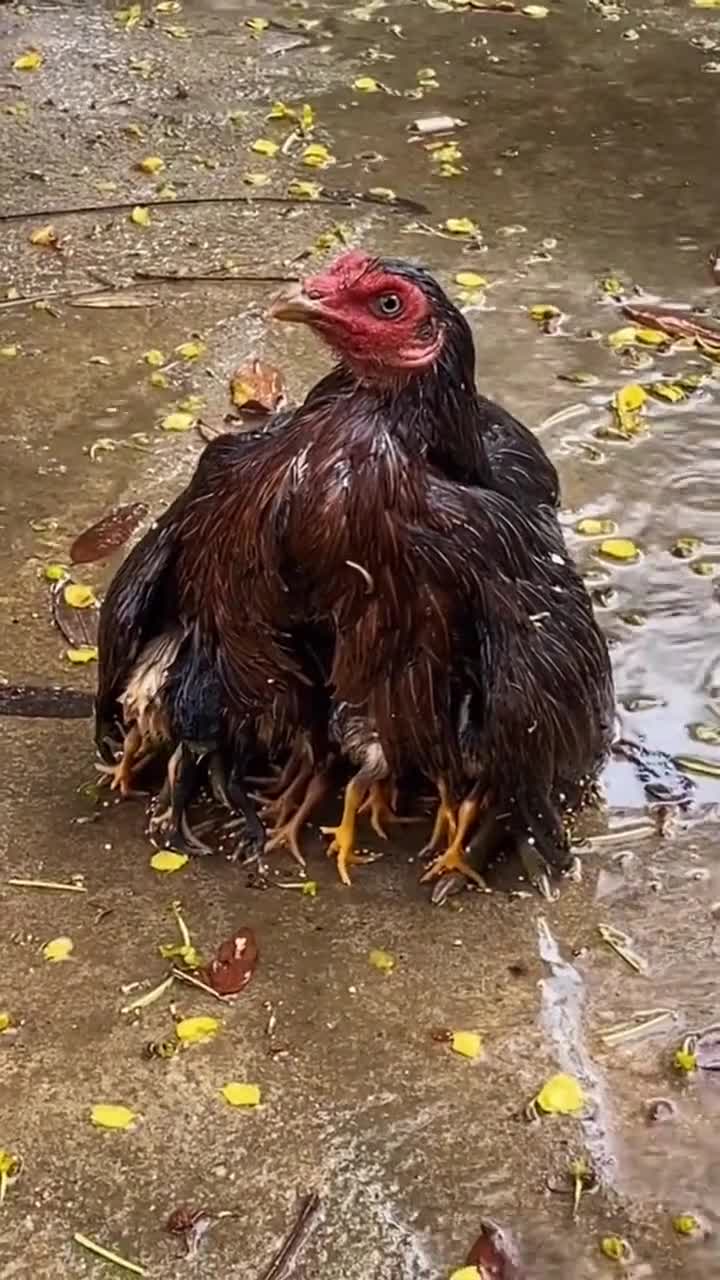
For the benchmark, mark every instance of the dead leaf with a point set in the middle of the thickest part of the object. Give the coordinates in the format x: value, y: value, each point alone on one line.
x: 495, y: 1254
x: 257, y: 388
x: 107, y: 534
x: 233, y: 965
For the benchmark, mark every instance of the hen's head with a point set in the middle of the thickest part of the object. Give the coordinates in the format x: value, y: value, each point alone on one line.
x: 383, y: 317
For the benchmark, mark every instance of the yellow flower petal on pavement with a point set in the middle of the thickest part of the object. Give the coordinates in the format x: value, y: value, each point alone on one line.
x: 58, y: 949
x: 195, y: 1030
x: 106, y: 1115
x: 561, y: 1095
x: 467, y: 1043
x: 168, y: 860
x: 79, y: 596
x: 241, y: 1095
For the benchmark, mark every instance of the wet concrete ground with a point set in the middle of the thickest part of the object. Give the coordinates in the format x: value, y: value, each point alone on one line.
x: 588, y: 155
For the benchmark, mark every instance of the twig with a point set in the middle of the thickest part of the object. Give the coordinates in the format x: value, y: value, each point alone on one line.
x: 618, y: 942
x: 171, y: 277
x: 196, y: 982
x: 330, y: 198
x: 47, y: 884
x: 107, y: 1254
x: 278, y: 1268
x: 149, y: 997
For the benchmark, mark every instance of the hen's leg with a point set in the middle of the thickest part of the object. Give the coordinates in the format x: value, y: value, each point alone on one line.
x: 183, y: 777
x: 445, y: 822
x: 289, y: 833
x: 342, y: 844
x: 454, y: 857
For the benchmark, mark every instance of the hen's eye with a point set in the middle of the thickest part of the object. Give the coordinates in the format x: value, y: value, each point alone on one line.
x: 387, y: 305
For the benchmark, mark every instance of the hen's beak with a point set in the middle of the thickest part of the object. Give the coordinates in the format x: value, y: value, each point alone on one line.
x: 294, y: 304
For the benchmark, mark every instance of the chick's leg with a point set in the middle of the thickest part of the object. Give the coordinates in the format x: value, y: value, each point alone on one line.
x: 342, y: 844
x: 183, y: 777
x: 279, y: 809
x: 120, y: 775
x: 454, y: 857
x: 289, y: 833
x: 382, y: 813
x: 445, y: 824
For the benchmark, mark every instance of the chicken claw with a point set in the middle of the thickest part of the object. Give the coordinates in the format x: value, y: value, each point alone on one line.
x: 381, y: 811
x: 342, y: 846
x: 288, y: 833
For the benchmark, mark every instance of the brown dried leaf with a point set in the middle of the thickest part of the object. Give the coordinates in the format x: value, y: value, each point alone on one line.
x: 78, y: 626
x: 233, y: 965
x: 257, y: 388
x: 495, y: 1254
x: 108, y: 533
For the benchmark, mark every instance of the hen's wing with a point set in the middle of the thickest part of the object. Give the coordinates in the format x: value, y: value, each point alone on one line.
x: 143, y: 599
x: 520, y: 467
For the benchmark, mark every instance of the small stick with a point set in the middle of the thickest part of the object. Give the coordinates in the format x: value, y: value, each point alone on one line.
x: 278, y: 1268
x: 150, y: 996
x: 47, y: 884
x: 196, y: 982
x: 108, y: 1255
x: 170, y: 277
x: 330, y: 198
x: 617, y: 941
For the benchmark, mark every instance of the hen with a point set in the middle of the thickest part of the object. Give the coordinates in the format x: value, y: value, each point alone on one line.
x: 464, y: 638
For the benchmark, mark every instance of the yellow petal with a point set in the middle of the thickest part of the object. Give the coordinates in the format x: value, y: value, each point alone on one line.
x: 10, y: 351
x: 158, y: 379
x: 257, y: 179
x: 366, y: 84
x: 195, y: 1030
x: 105, y: 1115
x: 79, y: 596
x: 191, y: 404
x: 467, y: 1043
x: 316, y: 156
x: 686, y: 1224
x: 619, y: 549
x: 460, y: 226
x: 257, y: 24
x: 140, y: 216
x: 543, y: 311
x: 151, y: 164
x: 168, y: 860
x: 446, y: 154
x: 561, y: 1095
x: 630, y: 398
x: 469, y: 280
x: 670, y: 391
x: 83, y: 654
x: 129, y: 18
x: 31, y: 60
x: 58, y: 949
x: 653, y: 337
x: 5, y: 1022
x: 154, y: 358
x: 467, y: 1273
x: 280, y: 111
x: 622, y: 337
x: 382, y: 960
x: 264, y: 147
x: 55, y: 572
x: 304, y: 190
x: 190, y: 350
x: 592, y: 527
x: 241, y: 1095
x: 178, y: 421
x: 46, y: 236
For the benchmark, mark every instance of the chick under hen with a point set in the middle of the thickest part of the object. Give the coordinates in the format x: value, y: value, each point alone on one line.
x: 431, y: 514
